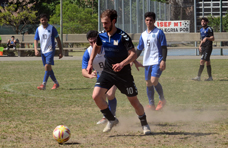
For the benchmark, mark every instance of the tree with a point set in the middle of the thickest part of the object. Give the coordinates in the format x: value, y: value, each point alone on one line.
x: 15, y: 15
x: 75, y: 19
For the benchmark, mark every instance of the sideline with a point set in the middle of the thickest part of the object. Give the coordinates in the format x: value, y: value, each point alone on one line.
x: 4, y: 58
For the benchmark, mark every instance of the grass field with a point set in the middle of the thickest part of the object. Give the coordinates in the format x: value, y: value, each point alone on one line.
x: 196, y: 114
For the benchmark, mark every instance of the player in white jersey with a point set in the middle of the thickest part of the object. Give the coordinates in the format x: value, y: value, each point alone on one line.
x: 98, y: 65
x: 46, y: 34
x: 153, y: 41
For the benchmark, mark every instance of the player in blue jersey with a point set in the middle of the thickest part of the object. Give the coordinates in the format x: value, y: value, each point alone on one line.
x: 205, y: 49
x: 98, y: 65
x: 46, y: 34
x: 119, y: 52
x: 153, y: 41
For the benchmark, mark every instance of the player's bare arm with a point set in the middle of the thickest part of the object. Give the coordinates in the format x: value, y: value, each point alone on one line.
x: 87, y: 75
x: 211, y: 38
x: 35, y: 47
x: 131, y: 57
x: 96, y: 49
x: 164, y: 55
x: 60, y: 48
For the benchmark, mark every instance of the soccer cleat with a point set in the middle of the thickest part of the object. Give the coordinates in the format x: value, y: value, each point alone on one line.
x: 102, y: 121
x: 209, y: 79
x: 196, y: 78
x: 110, y: 125
x: 150, y: 107
x: 55, y: 86
x: 161, y: 104
x: 41, y: 87
x: 146, y: 129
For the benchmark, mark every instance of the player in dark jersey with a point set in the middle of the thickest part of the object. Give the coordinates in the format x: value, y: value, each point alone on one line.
x: 119, y: 52
x: 205, y: 49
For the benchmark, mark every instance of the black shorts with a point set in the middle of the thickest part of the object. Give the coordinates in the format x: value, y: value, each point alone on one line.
x: 125, y: 83
x: 206, y: 53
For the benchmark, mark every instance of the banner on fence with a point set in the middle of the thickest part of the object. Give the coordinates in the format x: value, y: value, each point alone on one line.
x: 181, y: 26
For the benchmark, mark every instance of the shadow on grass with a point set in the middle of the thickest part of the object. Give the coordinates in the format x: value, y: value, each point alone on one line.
x: 70, y: 143
x: 75, y: 88
x: 223, y: 80
x: 168, y: 133
x: 164, y: 124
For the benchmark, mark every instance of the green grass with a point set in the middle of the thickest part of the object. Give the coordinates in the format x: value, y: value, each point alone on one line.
x: 196, y: 113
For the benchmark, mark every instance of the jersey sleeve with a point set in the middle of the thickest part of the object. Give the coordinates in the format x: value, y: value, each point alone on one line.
x: 37, y: 35
x: 54, y: 32
x: 126, y: 40
x: 210, y: 32
x: 162, y: 38
x: 85, y: 59
x: 99, y: 42
x: 141, y: 43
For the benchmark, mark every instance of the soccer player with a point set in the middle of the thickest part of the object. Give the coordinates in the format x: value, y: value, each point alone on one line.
x: 47, y: 33
x: 153, y: 41
x: 119, y: 52
x: 205, y: 49
x: 98, y: 65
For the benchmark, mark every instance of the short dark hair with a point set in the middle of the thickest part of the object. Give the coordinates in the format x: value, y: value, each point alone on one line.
x: 12, y: 37
x: 43, y: 15
x: 204, y: 18
x: 91, y: 34
x: 150, y: 14
x: 110, y: 13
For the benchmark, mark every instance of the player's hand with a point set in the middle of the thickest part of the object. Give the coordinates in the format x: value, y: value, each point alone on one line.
x: 94, y: 73
x: 138, y: 64
x: 162, y: 65
x: 117, y: 67
x: 37, y: 53
x: 60, y: 55
x: 89, y: 68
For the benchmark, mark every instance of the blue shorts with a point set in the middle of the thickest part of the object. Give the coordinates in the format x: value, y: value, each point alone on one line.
x: 48, y: 58
x: 152, y: 71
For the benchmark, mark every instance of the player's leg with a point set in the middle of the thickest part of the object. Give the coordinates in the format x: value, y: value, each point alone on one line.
x: 103, y: 84
x: 140, y: 112
x: 127, y: 86
x: 208, y: 63
x: 155, y: 75
x: 112, y: 102
x: 149, y: 88
x: 50, y: 60
x: 46, y: 74
x: 202, y: 61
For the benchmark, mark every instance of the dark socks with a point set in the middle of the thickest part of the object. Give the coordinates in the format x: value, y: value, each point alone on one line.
x: 200, y: 70
x: 108, y: 114
x: 112, y: 106
x: 143, y: 120
x: 209, y: 70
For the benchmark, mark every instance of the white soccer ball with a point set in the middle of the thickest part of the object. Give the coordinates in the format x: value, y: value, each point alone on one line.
x: 61, y: 134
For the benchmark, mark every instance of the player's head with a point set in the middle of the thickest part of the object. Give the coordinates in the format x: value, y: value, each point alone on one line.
x: 12, y: 37
x: 44, y: 19
x: 150, y: 18
x: 108, y: 19
x: 204, y: 22
x: 92, y: 37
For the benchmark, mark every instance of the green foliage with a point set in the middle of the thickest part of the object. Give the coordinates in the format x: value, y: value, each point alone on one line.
x: 15, y: 15
x: 75, y: 19
x: 214, y: 22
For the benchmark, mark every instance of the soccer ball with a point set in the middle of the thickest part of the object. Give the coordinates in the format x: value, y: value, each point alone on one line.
x: 61, y: 134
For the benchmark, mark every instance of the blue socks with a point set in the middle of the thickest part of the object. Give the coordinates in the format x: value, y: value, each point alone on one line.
x: 112, y: 106
x: 150, y: 94
x: 159, y: 89
x: 46, y: 75
x: 52, y: 75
